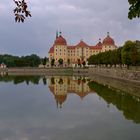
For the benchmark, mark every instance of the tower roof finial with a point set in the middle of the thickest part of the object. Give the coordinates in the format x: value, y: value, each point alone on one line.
x: 60, y: 33
x: 57, y: 34
x: 107, y: 33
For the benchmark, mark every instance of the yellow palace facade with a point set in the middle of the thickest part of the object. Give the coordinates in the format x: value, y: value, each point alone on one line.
x: 79, y: 52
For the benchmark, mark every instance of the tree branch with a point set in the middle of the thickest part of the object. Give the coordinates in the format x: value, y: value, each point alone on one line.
x: 21, y: 11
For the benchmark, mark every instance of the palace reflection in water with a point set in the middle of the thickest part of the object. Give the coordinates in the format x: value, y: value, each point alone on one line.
x: 61, y: 87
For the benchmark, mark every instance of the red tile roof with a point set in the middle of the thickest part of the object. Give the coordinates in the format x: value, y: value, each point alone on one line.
x: 96, y: 47
x: 51, y: 49
x: 71, y: 47
x: 108, y: 41
x: 60, y: 41
x: 82, y: 44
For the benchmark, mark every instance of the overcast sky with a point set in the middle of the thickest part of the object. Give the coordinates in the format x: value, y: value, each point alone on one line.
x: 77, y: 19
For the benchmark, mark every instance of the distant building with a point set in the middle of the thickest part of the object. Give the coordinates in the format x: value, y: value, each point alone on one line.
x: 2, y: 65
x: 79, y: 52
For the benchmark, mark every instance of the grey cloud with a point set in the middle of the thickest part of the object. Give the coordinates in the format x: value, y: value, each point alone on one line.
x: 80, y: 19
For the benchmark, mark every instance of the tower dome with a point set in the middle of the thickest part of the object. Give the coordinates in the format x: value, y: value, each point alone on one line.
x: 60, y: 40
x: 108, y: 40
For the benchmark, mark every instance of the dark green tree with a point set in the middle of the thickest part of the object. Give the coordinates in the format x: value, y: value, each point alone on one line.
x: 52, y: 62
x: 83, y: 63
x: 134, y: 10
x: 68, y: 61
x: 24, y: 61
x: 79, y: 62
x: 126, y: 53
x: 60, y: 61
x: 44, y: 61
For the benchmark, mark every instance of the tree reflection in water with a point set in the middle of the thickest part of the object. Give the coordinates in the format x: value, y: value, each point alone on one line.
x: 128, y: 104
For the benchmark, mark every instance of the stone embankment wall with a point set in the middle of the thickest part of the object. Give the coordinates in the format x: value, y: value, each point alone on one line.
x: 39, y: 71
x: 118, y: 73
x: 126, y: 86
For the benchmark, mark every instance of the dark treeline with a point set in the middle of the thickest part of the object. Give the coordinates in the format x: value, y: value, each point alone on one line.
x: 23, y: 61
x: 129, y: 54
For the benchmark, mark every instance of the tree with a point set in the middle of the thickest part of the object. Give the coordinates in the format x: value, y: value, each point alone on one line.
x: 138, y: 52
x: 24, y: 61
x: 84, y: 63
x: 119, y: 57
x: 79, y: 62
x: 21, y: 11
x: 126, y: 52
x: 68, y: 61
x: 133, y: 55
x: 44, y: 61
x: 52, y: 62
x: 60, y: 61
x: 134, y: 10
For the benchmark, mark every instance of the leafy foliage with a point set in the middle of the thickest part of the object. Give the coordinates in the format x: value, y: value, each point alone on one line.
x: 52, y: 62
x: 131, y: 53
x: 84, y: 63
x: 68, y: 61
x: 134, y: 10
x: 24, y: 61
x: 60, y: 61
x: 21, y: 11
x: 109, y: 57
x: 44, y: 61
x: 126, y: 57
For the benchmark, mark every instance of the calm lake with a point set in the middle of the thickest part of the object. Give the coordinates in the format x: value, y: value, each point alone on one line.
x: 65, y: 108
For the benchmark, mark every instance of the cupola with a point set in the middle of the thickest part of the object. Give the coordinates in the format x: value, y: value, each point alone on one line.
x: 60, y: 40
x: 108, y: 40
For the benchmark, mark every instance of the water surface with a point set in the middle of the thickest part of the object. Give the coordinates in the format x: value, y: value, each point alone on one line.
x: 65, y: 108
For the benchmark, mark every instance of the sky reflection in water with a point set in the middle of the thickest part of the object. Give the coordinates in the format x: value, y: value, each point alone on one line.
x: 65, y: 108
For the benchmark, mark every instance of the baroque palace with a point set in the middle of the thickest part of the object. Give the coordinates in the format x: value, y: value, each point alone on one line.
x: 72, y: 55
